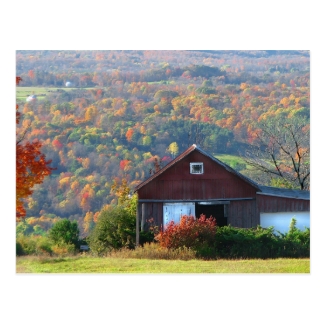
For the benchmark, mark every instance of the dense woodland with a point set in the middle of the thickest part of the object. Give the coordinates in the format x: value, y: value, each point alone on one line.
x: 126, y: 112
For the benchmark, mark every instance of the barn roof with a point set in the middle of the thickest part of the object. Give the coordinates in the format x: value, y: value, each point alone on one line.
x: 186, y: 153
x: 284, y: 192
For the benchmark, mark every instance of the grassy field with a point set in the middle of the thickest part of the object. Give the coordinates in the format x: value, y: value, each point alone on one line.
x: 23, y: 92
x: 233, y: 161
x: 87, y: 264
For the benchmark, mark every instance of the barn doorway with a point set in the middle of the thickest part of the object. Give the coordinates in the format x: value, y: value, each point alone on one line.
x: 217, y: 211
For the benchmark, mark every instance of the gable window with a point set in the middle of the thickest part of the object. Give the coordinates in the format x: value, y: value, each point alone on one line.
x: 196, y: 168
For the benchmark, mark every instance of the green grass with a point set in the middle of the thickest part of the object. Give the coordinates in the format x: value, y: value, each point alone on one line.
x: 87, y: 264
x: 23, y: 92
x: 232, y: 160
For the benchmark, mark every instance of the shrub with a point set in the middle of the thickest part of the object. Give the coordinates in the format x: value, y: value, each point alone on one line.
x: 65, y: 232
x: 114, y: 229
x: 63, y: 249
x: 257, y: 242
x: 295, y: 243
x: 33, y: 245
x: 197, y: 234
x: 209, y: 241
x: 263, y: 243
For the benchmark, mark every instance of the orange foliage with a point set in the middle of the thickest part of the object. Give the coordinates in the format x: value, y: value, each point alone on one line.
x: 124, y: 163
x: 129, y: 134
x: 31, y: 168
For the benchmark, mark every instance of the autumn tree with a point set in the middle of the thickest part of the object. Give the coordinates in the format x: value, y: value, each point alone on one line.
x: 282, y: 153
x: 31, y: 166
x: 173, y: 149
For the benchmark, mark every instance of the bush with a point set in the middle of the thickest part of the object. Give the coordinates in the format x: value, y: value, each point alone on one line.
x: 296, y: 243
x: 65, y: 232
x: 257, y: 242
x: 211, y: 242
x: 197, y: 234
x: 263, y: 243
x: 42, y: 246
x: 63, y: 249
x: 33, y: 245
x: 114, y: 229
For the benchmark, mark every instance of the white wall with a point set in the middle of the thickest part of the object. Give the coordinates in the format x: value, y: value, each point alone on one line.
x: 281, y: 220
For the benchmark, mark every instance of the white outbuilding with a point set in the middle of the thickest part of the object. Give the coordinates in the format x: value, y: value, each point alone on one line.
x: 31, y: 98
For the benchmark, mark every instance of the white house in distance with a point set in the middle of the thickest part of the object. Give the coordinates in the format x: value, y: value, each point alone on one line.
x: 31, y: 98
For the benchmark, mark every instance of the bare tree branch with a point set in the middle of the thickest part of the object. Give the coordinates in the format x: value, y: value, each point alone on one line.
x: 282, y: 151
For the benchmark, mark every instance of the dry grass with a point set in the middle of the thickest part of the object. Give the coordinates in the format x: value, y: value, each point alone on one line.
x: 154, y: 251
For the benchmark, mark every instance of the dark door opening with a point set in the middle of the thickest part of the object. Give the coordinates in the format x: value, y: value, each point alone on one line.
x: 217, y: 211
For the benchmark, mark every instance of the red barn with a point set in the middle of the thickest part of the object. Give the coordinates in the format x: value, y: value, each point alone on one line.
x: 197, y: 183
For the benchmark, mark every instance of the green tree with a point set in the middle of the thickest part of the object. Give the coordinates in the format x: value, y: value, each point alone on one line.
x: 114, y: 229
x: 65, y: 231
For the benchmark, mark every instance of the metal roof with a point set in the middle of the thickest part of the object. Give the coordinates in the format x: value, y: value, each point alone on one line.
x: 284, y: 192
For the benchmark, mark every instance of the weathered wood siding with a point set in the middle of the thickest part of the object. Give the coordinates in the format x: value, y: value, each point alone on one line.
x: 242, y: 214
x: 177, y: 183
x: 153, y: 214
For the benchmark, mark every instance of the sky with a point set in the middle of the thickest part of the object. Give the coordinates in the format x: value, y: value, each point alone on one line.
x: 148, y: 25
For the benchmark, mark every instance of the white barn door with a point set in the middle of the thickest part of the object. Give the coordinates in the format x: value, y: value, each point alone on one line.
x: 174, y: 211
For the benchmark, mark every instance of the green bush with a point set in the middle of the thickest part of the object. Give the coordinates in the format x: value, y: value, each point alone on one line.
x: 33, y: 245
x: 65, y: 232
x: 263, y: 243
x: 296, y: 243
x: 42, y: 246
x: 257, y: 242
x: 234, y: 243
x: 19, y: 249
x: 146, y: 237
x: 114, y: 229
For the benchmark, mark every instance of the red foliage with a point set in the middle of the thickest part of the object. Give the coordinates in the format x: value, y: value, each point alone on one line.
x: 190, y: 232
x: 31, y: 167
x: 57, y: 144
x: 124, y: 163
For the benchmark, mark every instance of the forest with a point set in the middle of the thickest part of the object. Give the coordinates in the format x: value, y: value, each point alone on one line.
x: 109, y: 117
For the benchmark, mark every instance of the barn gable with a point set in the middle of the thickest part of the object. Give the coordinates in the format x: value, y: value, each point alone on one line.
x: 212, y: 180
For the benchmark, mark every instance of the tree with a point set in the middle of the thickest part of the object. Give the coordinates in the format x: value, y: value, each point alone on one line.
x: 114, y: 229
x: 31, y: 166
x: 282, y: 153
x: 65, y: 231
x: 173, y: 149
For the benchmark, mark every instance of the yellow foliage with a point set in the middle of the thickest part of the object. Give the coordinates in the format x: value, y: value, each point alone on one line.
x: 86, y: 163
x: 90, y: 178
x: 243, y: 86
x: 142, y: 130
x: 64, y: 181
x: 74, y: 185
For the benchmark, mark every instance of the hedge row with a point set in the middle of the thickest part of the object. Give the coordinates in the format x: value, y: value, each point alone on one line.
x: 211, y: 241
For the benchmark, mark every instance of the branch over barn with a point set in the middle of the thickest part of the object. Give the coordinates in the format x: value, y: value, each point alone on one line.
x: 196, y: 183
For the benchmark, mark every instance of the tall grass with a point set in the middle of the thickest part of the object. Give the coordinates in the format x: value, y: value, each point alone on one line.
x: 155, y: 251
